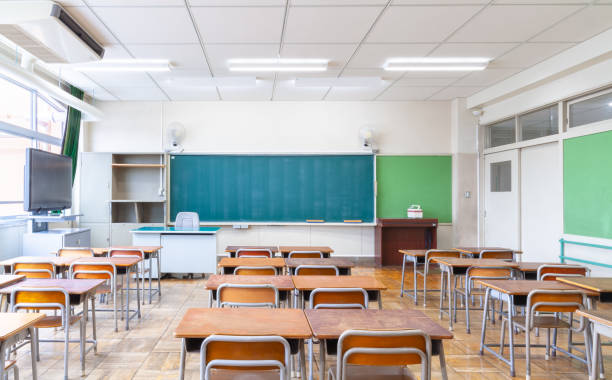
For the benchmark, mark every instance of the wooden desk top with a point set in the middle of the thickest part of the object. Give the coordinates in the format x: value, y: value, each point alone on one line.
x: 73, y: 287
x: 289, y: 248
x: 465, y: 263
x: 596, y: 284
x: 146, y: 249
x: 10, y: 279
x: 277, y: 262
x: 280, y: 282
x: 313, y: 282
x: 477, y: 250
x: 603, y: 317
x: 234, y: 248
x: 58, y: 261
x: 330, y: 324
x: 523, y: 287
x: 201, y: 323
x: 14, y: 323
x: 340, y: 263
x: 532, y: 266
x: 413, y: 252
x: 120, y: 262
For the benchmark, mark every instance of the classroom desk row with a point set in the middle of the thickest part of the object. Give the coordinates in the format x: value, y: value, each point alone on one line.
x: 228, y: 264
x: 283, y: 250
x: 298, y: 325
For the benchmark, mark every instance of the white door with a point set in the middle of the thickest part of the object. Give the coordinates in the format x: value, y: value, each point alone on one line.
x: 502, y: 207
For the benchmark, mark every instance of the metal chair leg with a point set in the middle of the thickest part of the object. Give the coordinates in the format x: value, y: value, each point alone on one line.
x: 414, y: 280
x: 403, y: 275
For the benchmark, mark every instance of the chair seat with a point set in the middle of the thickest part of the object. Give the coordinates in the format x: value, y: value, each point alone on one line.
x: 55, y: 321
x: 230, y: 374
x: 543, y: 321
x: 366, y: 372
x: 9, y: 363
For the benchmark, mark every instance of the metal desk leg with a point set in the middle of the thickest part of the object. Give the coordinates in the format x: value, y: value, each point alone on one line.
x: 403, y: 275
x: 302, y: 359
x: 210, y: 298
x: 127, y: 299
x: 511, y: 334
x: 414, y: 279
x: 483, y: 331
x: 380, y: 306
x: 33, y: 352
x: 595, y: 357
x: 3, y: 349
x: 138, y: 292
x: 442, y: 361
x: 322, y: 352
x: 450, y: 300
x: 182, y: 361
x: 310, y: 358
x: 159, y: 274
x: 93, y: 323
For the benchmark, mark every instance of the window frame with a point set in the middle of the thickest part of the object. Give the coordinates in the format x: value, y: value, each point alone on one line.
x: 519, y: 129
x: 568, y: 103
x: 488, y: 129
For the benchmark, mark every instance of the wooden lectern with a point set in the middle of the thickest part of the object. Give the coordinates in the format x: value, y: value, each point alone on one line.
x: 395, y: 234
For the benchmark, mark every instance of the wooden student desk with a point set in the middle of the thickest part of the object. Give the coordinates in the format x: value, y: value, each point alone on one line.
x: 10, y: 279
x: 285, y: 250
x: 284, y: 284
x: 198, y: 324
x: 61, y: 262
x: 602, y: 325
x: 529, y: 269
x: 228, y: 264
x: 330, y: 324
x: 344, y: 265
x: 307, y: 283
x: 15, y: 327
x: 601, y: 285
x: 515, y: 292
x: 231, y: 249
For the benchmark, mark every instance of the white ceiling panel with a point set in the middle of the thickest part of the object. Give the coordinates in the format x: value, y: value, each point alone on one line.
x: 136, y: 93
x: 511, y: 23
x: 191, y: 94
x: 448, y: 2
x: 353, y: 93
x: 70, y: 3
x: 375, y: 55
x: 542, y: 1
x: 454, y: 92
x: 143, y: 25
x: 98, y: 93
x: 329, y: 24
x: 263, y: 91
x: 338, y: 54
x: 337, y: 2
x: 233, y: 3
x: 408, y: 93
x: 181, y: 78
x: 387, y: 75
x: 218, y: 54
x: 286, y: 91
x: 92, y: 25
x: 135, y: 3
x: 330, y: 73
x: 239, y: 24
x: 425, y: 82
x: 472, y: 50
x: 121, y: 79
x: 486, y: 77
x: 581, y: 26
x: 420, y: 23
x: 529, y: 54
x: 188, y: 56
x: 115, y: 52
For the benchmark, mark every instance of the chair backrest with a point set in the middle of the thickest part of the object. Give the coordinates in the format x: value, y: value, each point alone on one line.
x: 554, y: 301
x: 94, y: 270
x: 256, y: 271
x: 496, y: 254
x: 40, y: 299
x: 34, y: 270
x: 487, y: 272
x: 254, y: 252
x: 186, y: 219
x: 305, y: 255
x: 384, y: 348
x: 339, y: 298
x: 75, y: 252
x: 247, y: 295
x: 245, y: 353
x: 317, y: 270
x: 125, y: 252
x: 550, y: 272
x: 432, y: 253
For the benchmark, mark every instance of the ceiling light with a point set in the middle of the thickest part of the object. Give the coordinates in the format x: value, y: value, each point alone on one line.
x: 339, y: 82
x: 148, y: 65
x: 277, y: 64
x: 610, y: 104
x: 436, y: 64
x: 198, y: 82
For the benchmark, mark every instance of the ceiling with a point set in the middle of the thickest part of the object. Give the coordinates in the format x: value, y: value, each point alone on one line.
x: 199, y: 36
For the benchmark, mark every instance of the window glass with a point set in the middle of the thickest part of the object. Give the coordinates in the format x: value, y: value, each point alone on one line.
x: 50, y: 118
x: 591, y: 110
x: 502, y: 133
x: 544, y: 122
x: 12, y: 156
x: 501, y: 176
x: 15, y: 104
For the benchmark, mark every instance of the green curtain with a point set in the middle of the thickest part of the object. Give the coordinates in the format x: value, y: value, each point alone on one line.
x: 70, y: 143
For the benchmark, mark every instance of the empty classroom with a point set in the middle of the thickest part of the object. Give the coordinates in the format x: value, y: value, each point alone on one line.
x: 305, y: 189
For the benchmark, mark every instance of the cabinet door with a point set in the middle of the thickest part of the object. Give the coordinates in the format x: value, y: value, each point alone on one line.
x: 100, y: 233
x: 95, y: 187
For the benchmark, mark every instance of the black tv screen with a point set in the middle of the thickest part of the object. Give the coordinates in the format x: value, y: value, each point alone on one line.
x: 48, y: 181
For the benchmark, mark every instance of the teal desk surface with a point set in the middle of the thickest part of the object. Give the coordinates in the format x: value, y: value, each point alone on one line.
x: 174, y: 230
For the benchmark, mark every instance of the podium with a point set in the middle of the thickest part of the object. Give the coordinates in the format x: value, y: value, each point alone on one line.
x: 403, y: 233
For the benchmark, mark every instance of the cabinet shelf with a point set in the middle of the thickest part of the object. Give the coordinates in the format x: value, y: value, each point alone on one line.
x: 138, y: 165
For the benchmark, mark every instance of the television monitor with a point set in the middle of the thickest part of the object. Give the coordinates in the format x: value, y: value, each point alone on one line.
x: 47, y: 181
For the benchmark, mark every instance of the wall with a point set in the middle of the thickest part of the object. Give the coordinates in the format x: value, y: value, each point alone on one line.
x: 251, y: 127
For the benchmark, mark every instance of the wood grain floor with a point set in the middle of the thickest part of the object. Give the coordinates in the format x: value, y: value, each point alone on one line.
x: 149, y: 351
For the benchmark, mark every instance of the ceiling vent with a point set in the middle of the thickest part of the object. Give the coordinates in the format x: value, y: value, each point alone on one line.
x: 45, y: 30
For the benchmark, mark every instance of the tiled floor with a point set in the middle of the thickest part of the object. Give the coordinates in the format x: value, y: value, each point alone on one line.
x: 149, y: 350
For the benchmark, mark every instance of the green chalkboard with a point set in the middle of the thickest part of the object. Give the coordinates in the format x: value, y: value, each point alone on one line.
x: 273, y: 188
x: 406, y: 180
x: 587, y: 185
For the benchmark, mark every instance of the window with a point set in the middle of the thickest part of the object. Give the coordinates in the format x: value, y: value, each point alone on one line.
x: 501, y: 176
x: 27, y: 119
x: 544, y: 122
x: 590, y: 110
x: 501, y: 133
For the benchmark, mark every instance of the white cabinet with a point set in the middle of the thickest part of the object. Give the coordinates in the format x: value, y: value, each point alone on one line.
x: 95, y: 187
x: 45, y: 242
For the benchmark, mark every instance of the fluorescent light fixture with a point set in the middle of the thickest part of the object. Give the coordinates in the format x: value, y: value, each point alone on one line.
x: 436, y: 64
x: 339, y: 82
x: 123, y: 65
x: 610, y: 104
x: 197, y: 82
x: 277, y: 64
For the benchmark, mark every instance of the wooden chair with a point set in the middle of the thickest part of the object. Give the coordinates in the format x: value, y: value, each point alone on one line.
x: 254, y: 252
x: 247, y: 295
x: 551, y: 303
x: 338, y: 298
x: 305, y: 255
x: 550, y: 272
x: 51, y: 299
x: 496, y: 254
x: 378, y: 355
x: 478, y: 273
x: 75, y: 252
x: 131, y: 252
x: 99, y: 271
x: 34, y: 270
x: 317, y: 270
x: 256, y: 271
x: 245, y: 357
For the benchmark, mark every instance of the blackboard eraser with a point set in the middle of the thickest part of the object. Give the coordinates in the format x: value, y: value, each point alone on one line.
x: 353, y: 221
x: 315, y: 221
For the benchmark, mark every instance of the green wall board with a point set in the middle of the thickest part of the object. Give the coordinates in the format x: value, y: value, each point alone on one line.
x: 406, y: 180
x: 587, y: 185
